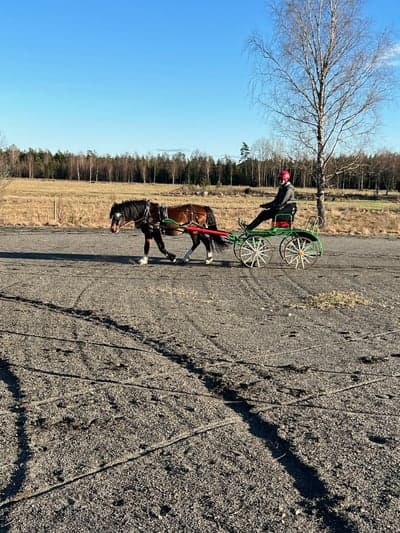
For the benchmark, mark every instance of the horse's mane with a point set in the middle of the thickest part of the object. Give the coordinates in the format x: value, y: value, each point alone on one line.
x: 129, y: 208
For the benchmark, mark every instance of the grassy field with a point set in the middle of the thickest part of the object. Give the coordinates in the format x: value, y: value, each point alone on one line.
x: 81, y: 204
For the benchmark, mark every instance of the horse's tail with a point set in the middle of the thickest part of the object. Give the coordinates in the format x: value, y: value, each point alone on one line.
x: 217, y: 240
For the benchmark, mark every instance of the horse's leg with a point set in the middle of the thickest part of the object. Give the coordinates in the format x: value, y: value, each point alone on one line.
x: 195, y: 242
x: 147, y: 240
x: 161, y: 246
x: 206, y: 240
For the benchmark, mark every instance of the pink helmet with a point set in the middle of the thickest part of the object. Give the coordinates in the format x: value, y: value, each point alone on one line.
x: 284, y: 176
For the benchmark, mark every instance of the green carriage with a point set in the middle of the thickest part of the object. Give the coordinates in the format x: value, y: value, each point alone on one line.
x: 298, y: 247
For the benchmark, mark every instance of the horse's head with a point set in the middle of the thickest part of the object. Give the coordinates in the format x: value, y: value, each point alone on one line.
x: 117, y: 218
x: 128, y: 211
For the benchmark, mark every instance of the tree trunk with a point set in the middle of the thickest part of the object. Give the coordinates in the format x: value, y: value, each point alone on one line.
x: 321, y: 204
x: 321, y: 181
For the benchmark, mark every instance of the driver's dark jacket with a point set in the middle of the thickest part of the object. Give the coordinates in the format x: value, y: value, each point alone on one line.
x: 284, y: 196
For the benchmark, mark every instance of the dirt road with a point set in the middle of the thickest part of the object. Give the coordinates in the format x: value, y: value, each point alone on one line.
x: 195, y: 398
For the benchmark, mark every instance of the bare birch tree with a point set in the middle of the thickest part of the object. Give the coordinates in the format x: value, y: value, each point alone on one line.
x: 3, y: 158
x: 323, y: 75
x: 4, y: 168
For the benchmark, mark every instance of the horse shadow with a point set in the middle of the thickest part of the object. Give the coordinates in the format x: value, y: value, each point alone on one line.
x: 119, y: 259
x: 51, y: 256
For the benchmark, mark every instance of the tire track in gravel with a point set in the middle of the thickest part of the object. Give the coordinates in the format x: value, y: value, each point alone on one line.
x: 308, y: 292
x: 283, y: 368
x: 206, y: 337
x: 138, y: 384
x: 53, y: 271
x: 248, y: 284
x: 257, y: 288
x: 252, y: 282
x: 72, y: 341
x: 347, y: 335
x: 99, y: 381
x: 356, y: 265
x: 392, y: 298
x: 75, y: 325
x: 119, y: 462
x: 33, y: 404
x: 312, y: 489
x: 331, y: 392
x: 6, y: 287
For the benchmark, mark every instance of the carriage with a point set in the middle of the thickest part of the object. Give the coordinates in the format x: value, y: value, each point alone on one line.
x: 298, y: 247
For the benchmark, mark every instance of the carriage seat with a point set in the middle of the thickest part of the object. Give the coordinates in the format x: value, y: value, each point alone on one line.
x: 283, y: 220
x: 281, y: 224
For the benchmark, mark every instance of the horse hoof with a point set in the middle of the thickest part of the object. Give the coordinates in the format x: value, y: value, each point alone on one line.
x: 172, y: 258
x: 209, y: 261
x: 144, y: 261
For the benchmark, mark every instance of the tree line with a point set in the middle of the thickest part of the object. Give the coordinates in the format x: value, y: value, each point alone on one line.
x: 380, y: 171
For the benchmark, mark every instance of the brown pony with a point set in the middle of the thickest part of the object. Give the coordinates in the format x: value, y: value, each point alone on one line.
x: 155, y: 220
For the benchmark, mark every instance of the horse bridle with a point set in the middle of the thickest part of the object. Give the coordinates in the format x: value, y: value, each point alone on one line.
x: 119, y: 219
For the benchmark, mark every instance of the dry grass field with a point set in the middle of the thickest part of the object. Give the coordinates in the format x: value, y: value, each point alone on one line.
x: 81, y: 204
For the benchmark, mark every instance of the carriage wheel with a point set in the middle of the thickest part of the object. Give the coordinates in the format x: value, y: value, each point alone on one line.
x: 300, y: 251
x: 282, y: 245
x: 255, y: 252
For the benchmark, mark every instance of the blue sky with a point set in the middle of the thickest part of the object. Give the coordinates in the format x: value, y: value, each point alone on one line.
x: 140, y: 76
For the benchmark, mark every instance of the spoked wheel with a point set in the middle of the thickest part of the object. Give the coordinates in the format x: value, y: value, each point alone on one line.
x: 282, y: 245
x: 255, y: 252
x: 300, y: 251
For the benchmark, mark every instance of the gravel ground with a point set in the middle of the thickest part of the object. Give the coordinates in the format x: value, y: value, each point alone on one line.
x: 195, y: 398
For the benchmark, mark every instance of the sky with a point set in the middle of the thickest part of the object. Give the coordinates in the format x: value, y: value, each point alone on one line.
x: 141, y: 76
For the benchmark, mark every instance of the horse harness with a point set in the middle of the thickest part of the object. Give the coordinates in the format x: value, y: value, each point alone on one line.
x: 154, y: 214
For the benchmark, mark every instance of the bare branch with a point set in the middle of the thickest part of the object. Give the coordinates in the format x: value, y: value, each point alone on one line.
x: 323, y: 76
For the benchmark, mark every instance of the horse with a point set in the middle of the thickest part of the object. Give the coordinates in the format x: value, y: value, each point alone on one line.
x: 155, y: 220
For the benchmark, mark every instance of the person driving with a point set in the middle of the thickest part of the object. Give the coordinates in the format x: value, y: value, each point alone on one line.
x: 283, y: 203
